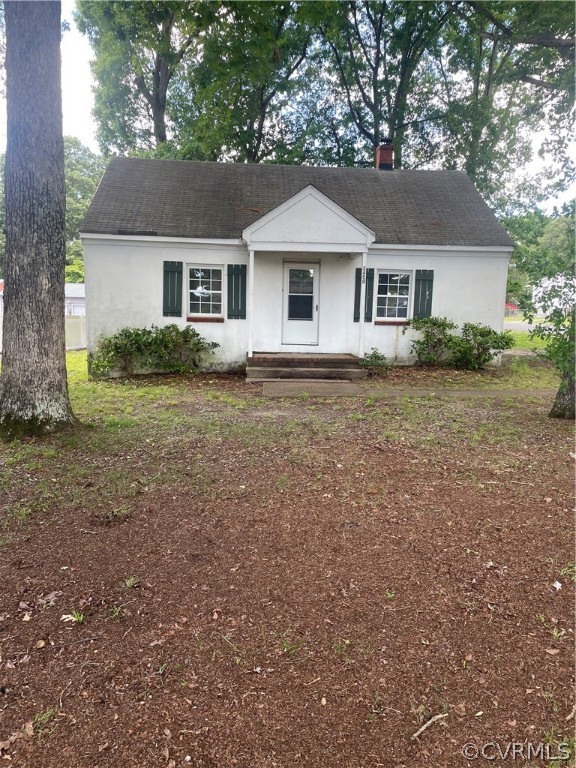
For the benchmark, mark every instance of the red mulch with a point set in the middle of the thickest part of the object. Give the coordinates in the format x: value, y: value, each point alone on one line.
x: 305, y: 597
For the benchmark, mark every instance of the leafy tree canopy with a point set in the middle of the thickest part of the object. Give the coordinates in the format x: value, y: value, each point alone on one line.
x: 251, y: 69
x: 139, y: 47
x: 545, y: 255
x: 455, y: 84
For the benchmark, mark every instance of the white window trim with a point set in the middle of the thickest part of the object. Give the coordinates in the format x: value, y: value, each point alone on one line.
x: 398, y: 271
x: 222, y: 268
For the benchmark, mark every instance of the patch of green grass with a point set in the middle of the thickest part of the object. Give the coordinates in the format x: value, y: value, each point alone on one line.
x: 282, y: 482
x: 495, y: 432
x: 76, y: 366
x: 513, y: 373
x: 120, y: 423
x: 523, y: 340
x: 569, y: 571
x: 20, y: 513
x: 561, y: 747
x: 123, y: 512
x: 225, y: 398
x: 527, y: 373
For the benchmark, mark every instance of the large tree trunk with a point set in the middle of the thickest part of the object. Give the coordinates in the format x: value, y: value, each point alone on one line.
x: 564, y: 405
x: 33, y: 385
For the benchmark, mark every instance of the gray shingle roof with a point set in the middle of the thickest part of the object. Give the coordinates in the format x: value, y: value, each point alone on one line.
x: 177, y: 198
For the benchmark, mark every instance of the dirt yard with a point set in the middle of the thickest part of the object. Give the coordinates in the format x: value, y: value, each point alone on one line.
x: 198, y: 576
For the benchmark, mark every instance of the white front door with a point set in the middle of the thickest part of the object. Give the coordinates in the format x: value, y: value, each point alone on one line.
x: 300, y: 305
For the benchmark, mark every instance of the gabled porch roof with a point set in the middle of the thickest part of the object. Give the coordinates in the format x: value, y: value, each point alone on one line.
x: 308, y: 222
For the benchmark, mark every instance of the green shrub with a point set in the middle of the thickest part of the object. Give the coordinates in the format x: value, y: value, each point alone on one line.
x: 158, y: 349
x: 375, y: 363
x: 476, y: 346
x: 432, y: 347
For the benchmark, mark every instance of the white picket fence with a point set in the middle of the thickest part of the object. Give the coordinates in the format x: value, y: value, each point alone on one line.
x: 75, y: 331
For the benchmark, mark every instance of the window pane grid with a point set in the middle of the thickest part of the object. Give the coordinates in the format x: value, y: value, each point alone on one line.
x: 205, y: 290
x: 392, y: 295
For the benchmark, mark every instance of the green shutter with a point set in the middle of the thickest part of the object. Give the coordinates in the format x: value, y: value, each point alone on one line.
x: 369, y: 295
x: 369, y: 300
x: 236, y: 291
x: 357, y: 283
x: 423, y: 292
x: 172, y: 289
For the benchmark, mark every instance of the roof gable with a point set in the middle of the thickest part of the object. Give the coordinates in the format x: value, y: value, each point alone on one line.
x: 307, y: 219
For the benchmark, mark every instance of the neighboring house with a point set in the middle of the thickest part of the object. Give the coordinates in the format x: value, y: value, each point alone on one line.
x: 75, y: 299
x: 271, y: 258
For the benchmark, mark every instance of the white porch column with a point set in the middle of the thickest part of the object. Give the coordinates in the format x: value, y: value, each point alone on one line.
x: 362, y: 304
x: 250, y: 307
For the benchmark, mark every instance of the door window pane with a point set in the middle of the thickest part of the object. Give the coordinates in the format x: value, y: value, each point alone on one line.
x: 300, y: 307
x: 301, y: 281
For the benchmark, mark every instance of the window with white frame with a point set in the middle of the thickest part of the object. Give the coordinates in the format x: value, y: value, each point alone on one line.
x: 205, y: 290
x: 393, y: 295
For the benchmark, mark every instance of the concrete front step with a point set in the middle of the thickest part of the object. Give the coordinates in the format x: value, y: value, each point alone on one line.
x: 265, y: 373
x: 301, y: 360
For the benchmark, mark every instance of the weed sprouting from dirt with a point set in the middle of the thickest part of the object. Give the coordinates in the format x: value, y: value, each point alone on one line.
x: 569, y: 571
x: 292, y: 649
x: 115, y: 611
x: 130, y: 582
x: 41, y: 720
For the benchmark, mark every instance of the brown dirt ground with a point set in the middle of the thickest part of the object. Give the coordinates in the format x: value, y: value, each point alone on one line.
x: 314, y: 580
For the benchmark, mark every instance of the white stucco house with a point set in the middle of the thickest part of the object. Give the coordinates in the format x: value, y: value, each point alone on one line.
x: 290, y: 259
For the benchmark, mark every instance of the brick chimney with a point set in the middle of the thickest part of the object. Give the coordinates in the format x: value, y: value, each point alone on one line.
x: 385, y: 155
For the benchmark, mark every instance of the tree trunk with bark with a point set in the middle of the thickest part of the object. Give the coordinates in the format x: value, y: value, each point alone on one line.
x: 33, y: 384
x: 564, y: 405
